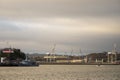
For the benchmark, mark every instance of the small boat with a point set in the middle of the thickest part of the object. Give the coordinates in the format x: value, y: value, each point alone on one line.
x: 28, y: 63
x: 98, y: 65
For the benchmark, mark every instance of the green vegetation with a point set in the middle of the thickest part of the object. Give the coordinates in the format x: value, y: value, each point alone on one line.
x: 17, y: 54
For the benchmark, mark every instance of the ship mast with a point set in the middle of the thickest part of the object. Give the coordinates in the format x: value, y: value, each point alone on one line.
x: 114, y: 51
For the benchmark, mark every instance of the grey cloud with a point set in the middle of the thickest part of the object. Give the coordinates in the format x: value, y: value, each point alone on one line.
x: 99, y: 13
x: 8, y: 26
x: 68, y: 8
x: 94, y: 43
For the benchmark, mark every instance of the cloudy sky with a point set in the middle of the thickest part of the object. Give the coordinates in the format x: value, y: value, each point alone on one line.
x: 36, y: 25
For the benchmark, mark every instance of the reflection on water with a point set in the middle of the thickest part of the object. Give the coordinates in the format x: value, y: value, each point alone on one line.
x: 61, y: 72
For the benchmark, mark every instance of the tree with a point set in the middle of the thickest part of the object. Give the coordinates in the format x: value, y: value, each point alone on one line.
x: 16, y: 54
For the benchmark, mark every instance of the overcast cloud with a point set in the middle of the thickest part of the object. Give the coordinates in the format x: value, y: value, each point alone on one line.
x: 35, y: 25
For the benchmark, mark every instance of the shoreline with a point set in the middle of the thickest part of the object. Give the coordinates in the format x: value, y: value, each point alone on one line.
x: 53, y: 63
x: 77, y: 64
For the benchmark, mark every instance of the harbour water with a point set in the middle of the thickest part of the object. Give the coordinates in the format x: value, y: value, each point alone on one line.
x: 61, y: 72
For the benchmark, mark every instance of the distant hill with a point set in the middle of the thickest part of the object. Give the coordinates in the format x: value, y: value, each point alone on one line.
x: 36, y: 54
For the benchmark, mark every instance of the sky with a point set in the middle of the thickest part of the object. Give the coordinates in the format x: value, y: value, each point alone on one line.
x: 35, y: 26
